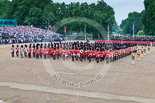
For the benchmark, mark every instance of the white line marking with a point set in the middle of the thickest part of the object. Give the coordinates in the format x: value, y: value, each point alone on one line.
x: 16, y: 58
x: 65, y: 73
x: 75, y: 92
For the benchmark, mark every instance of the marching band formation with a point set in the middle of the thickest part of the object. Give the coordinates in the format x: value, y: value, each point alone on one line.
x: 98, y: 51
x: 140, y: 54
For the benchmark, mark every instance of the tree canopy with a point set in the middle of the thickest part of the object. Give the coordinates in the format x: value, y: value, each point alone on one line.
x: 134, y: 18
x: 143, y: 21
x: 148, y: 19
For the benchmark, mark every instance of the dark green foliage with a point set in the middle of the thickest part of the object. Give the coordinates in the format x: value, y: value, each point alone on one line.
x: 133, y: 19
x: 148, y: 19
x: 143, y: 21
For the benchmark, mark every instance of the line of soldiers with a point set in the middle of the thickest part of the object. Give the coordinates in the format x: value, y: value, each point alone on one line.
x: 140, y: 54
x: 139, y: 43
x: 82, y: 51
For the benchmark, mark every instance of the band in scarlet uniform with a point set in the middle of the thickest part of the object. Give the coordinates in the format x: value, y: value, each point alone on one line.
x: 138, y: 55
x: 81, y: 51
x: 133, y: 58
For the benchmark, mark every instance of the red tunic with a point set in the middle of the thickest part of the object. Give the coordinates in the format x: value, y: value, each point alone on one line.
x: 37, y: 51
x: 49, y: 51
x: 75, y: 52
x: 12, y: 50
x: 17, y: 50
x: 98, y: 55
x: 107, y: 55
x: 71, y: 51
x: 84, y: 53
x: 34, y: 51
x: 94, y: 53
x: 44, y: 51
x: 102, y: 54
x: 41, y: 50
x: 63, y: 53
x: 90, y: 54
x: 54, y: 53
x: 29, y: 51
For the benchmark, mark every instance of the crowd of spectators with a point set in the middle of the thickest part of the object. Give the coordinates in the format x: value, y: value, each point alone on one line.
x: 130, y: 38
x: 25, y: 30
x: 26, y: 34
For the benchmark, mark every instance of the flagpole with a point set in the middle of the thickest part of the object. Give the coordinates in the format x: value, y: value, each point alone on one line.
x: 133, y: 30
x: 65, y: 30
x: 85, y: 33
x: 108, y: 32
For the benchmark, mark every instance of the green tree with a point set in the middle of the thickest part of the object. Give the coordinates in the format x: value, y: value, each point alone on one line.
x: 133, y: 19
x: 141, y: 32
x: 148, y: 19
x: 5, y: 9
x: 34, y: 16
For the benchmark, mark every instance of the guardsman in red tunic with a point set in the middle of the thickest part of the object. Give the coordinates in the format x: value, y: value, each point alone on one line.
x: 60, y: 52
x: 81, y: 55
x: 102, y: 56
x: 37, y: 52
x: 94, y: 55
x: 54, y: 54
x: 76, y: 53
x: 45, y: 52
x: 63, y: 54
x: 22, y: 51
x: 34, y: 51
x: 26, y: 51
x: 117, y: 54
x: 48, y: 51
x: 57, y: 53
x: 111, y: 56
x: 87, y: 52
x: 17, y: 51
x: 107, y: 57
x: 72, y: 54
x: 98, y: 56
x: 29, y: 51
x: 41, y: 51
x: 12, y: 51
x: 84, y: 54
x: 90, y: 53
x: 52, y: 50
x: 114, y: 55
x: 69, y: 53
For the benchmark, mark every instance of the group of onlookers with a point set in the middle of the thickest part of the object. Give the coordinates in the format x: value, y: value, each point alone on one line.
x: 25, y: 34
x: 136, y: 38
x: 25, y: 30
